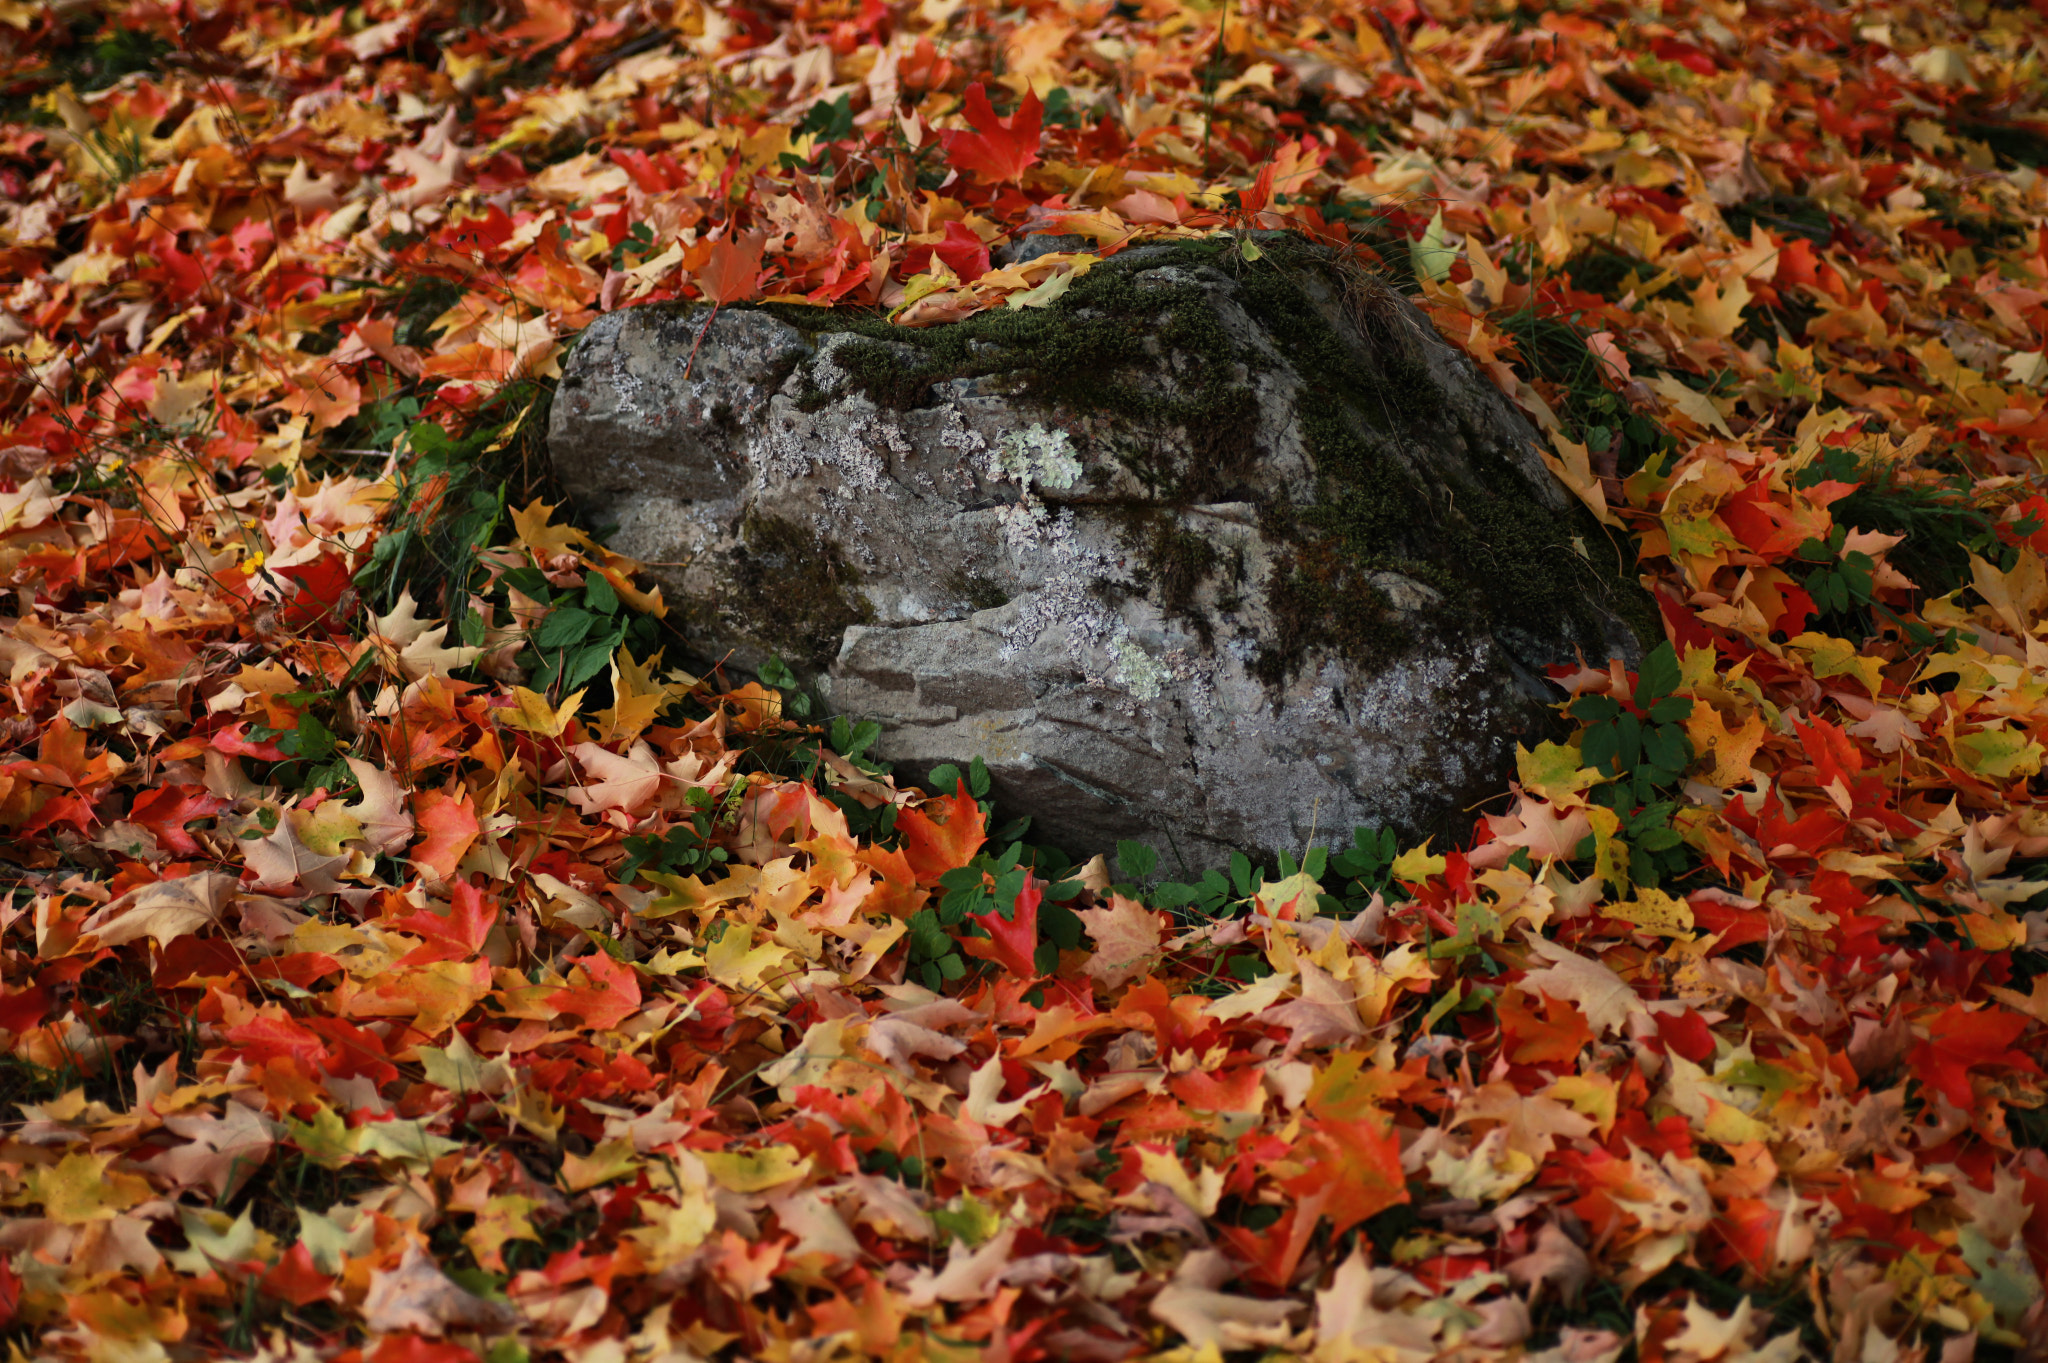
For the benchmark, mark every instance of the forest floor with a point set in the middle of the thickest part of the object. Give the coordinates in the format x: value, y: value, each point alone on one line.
x: 403, y: 961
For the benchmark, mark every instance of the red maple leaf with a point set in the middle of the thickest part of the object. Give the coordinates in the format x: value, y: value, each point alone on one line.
x: 411, y: 1348
x: 1253, y: 201
x: 234, y: 741
x: 23, y: 1009
x: 454, y: 936
x: 1541, y: 1030
x: 1011, y: 942
x: 1959, y: 1041
x: 321, y: 584
x: 607, y: 993
x: 1274, y: 1253
x: 931, y: 848
x: 964, y: 253
x: 166, y: 810
x: 999, y: 150
x: 1834, y: 755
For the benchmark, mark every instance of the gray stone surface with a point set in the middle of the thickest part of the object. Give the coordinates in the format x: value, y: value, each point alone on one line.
x: 1214, y: 554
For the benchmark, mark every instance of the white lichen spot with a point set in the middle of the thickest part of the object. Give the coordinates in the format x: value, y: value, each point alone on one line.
x: 1137, y: 671
x: 1037, y: 456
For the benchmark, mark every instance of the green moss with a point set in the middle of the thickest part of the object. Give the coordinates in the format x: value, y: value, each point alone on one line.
x: 884, y: 377
x: 796, y: 589
x: 1181, y: 561
x: 1321, y: 600
x: 1499, y: 558
x: 978, y: 590
x: 1087, y: 355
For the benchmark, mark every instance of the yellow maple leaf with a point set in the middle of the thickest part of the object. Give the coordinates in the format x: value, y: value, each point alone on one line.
x: 1590, y: 1095
x: 531, y: 713
x: 1653, y: 911
x: 1692, y: 404
x: 1610, y: 853
x: 1553, y: 771
x: 637, y: 697
x: 1489, y: 276
x: 734, y: 960
x: 504, y: 1218
x: 1717, y: 311
x: 1573, y: 465
x: 753, y: 1171
x: 1831, y: 657
x: 672, y: 1233
x: 611, y: 1159
x: 1998, y: 754
x: 81, y: 1188
x: 1417, y: 865
x: 2016, y: 597
x: 546, y: 541
x: 325, y: 829
x: 1730, y: 751
x: 1797, y: 377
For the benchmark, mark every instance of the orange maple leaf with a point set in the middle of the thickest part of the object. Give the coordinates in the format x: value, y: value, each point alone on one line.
x: 450, y: 825
x: 931, y: 848
x: 732, y: 274
x: 1358, y: 1165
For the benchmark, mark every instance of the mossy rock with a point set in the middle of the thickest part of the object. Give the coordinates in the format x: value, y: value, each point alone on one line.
x: 1213, y: 552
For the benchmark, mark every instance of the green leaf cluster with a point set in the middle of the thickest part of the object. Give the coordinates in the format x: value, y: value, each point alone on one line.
x: 576, y: 639
x: 686, y: 849
x: 1643, y: 748
x: 990, y: 885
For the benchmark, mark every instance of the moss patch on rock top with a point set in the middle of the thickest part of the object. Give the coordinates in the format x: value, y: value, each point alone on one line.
x: 1138, y: 349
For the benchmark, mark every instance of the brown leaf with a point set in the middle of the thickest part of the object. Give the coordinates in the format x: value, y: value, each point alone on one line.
x: 1126, y: 936
x: 1557, y: 1262
x: 163, y: 911
x: 1209, y: 1319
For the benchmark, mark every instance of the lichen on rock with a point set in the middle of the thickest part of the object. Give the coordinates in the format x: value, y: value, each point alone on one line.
x: 1232, y: 548
x: 1036, y: 457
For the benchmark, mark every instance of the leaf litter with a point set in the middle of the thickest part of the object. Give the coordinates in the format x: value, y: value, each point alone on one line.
x: 405, y: 963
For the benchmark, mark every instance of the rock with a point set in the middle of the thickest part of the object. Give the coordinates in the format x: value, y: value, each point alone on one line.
x: 1213, y: 553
